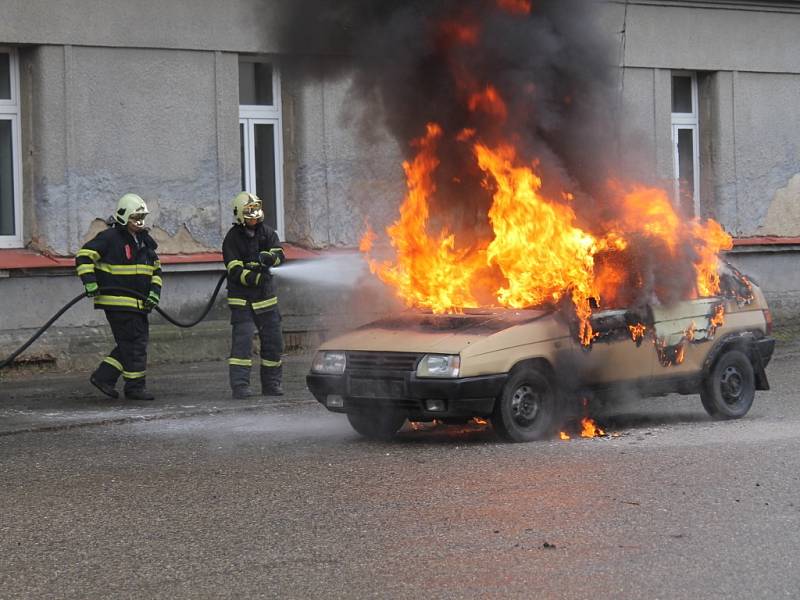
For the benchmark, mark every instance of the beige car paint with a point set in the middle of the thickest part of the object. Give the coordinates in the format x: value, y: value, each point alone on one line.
x: 549, y: 337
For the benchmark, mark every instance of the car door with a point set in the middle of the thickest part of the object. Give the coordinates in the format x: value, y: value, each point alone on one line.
x: 621, y: 351
x: 683, y: 335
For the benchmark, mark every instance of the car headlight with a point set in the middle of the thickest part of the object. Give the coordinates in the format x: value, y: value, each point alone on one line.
x: 330, y: 362
x: 439, y: 365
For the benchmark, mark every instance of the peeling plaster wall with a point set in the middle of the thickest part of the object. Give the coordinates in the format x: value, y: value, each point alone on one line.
x: 337, y: 177
x: 159, y: 123
x: 749, y: 77
x: 783, y: 214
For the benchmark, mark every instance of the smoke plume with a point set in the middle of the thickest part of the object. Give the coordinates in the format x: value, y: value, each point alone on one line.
x: 536, y: 74
x: 416, y: 61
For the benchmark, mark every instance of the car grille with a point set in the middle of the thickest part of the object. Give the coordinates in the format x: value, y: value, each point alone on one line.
x: 382, y: 361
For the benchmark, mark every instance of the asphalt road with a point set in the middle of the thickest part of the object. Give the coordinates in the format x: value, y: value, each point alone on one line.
x: 287, y: 502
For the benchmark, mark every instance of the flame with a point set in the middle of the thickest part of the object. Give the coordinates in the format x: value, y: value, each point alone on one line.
x: 710, y: 240
x: 637, y: 331
x: 489, y: 101
x: 519, y: 7
x: 534, y: 247
x: 463, y: 33
x: 367, y: 241
x: 590, y: 428
x: 679, y: 354
x: 563, y: 435
x: 717, y: 320
x: 689, y: 333
x: 430, y: 272
x: 479, y: 421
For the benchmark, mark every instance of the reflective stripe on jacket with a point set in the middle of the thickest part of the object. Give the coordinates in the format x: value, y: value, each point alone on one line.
x: 248, y: 283
x: 115, y: 259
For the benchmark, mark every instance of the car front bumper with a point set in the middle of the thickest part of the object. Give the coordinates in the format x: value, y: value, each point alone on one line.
x: 406, y: 393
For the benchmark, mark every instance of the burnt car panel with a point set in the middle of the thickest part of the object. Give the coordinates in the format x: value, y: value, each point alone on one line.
x: 422, y: 366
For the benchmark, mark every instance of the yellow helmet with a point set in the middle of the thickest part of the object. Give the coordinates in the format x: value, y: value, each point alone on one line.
x: 247, y: 206
x: 131, y: 207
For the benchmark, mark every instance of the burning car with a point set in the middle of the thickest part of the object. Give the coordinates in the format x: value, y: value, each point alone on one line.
x: 526, y: 369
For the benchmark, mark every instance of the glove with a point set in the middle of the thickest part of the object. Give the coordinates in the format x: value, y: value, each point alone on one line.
x: 152, y: 300
x: 91, y: 289
x: 266, y: 258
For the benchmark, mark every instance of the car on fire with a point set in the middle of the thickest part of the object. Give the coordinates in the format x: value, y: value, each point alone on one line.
x: 526, y: 371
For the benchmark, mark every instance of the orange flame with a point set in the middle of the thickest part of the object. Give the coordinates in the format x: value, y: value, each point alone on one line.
x: 490, y: 102
x: 680, y: 354
x: 519, y: 7
x: 462, y: 33
x: 590, y: 428
x: 561, y: 260
x: 718, y: 318
x: 637, y: 331
x: 429, y: 273
x: 563, y: 435
x: 537, y: 252
x: 710, y: 239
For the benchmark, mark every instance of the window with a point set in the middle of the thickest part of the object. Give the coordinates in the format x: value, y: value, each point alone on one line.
x: 260, y: 136
x: 685, y: 145
x: 10, y: 171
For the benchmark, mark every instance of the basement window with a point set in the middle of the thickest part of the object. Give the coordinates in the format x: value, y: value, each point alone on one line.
x: 685, y: 143
x: 10, y: 165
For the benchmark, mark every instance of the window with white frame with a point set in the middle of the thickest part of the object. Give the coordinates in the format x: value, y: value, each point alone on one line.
x: 685, y: 143
x: 10, y: 170
x: 260, y: 135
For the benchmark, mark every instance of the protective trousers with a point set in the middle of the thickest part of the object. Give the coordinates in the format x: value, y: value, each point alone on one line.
x: 129, y: 357
x: 245, y: 323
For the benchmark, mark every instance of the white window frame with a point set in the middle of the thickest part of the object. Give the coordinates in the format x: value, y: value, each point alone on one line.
x: 10, y: 111
x: 686, y: 121
x: 251, y: 115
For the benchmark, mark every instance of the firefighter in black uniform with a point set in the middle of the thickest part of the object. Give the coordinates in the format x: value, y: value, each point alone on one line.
x: 123, y: 256
x: 250, y: 249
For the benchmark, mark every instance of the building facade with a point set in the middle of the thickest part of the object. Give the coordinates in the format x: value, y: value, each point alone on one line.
x: 187, y: 102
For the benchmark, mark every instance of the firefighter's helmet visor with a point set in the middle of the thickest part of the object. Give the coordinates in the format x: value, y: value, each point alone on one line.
x: 138, y: 218
x: 253, y: 210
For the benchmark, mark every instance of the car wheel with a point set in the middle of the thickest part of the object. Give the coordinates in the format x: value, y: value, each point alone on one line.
x: 377, y: 425
x: 526, y: 408
x: 728, y: 390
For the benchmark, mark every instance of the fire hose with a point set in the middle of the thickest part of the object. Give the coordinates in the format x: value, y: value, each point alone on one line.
x: 133, y: 293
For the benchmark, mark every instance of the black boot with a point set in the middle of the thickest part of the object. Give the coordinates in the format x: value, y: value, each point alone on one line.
x: 106, y: 388
x: 273, y: 389
x: 141, y: 394
x: 242, y: 392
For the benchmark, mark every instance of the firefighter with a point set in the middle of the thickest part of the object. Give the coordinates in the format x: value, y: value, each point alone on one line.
x: 250, y: 250
x: 123, y: 256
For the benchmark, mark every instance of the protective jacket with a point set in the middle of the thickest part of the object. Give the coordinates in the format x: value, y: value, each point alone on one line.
x: 115, y: 258
x: 249, y: 280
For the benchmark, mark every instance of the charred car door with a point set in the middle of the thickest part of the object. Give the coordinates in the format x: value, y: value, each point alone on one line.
x: 683, y: 335
x: 619, y: 353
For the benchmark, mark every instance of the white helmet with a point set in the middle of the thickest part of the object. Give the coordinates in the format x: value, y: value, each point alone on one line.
x: 247, y: 206
x: 131, y: 208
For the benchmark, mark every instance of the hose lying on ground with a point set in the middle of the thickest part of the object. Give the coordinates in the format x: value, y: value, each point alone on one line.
x: 133, y: 293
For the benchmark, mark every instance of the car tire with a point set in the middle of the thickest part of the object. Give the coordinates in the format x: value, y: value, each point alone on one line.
x: 526, y: 408
x: 728, y: 390
x: 377, y: 425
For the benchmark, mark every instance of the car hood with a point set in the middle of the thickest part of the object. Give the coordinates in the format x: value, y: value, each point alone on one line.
x: 425, y: 332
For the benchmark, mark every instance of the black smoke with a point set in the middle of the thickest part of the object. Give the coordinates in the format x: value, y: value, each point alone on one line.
x: 551, y: 67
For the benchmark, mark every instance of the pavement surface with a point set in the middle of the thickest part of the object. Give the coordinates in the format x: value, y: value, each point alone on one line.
x: 50, y: 402
x: 281, y: 499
